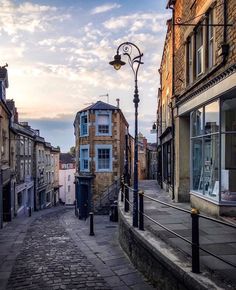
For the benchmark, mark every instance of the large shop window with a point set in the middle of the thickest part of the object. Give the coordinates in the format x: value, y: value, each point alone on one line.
x: 213, y: 151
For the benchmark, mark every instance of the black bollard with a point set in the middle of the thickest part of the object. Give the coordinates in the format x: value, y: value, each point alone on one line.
x: 91, y: 233
x: 195, y: 241
x: 29, y: 211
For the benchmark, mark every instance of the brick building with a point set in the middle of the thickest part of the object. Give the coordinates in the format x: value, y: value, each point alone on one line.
x: 100, y: 131
x: 204, y: 103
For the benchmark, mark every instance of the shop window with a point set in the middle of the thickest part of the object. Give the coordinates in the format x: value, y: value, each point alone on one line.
x: 205, y: 150
x: 228, y: 150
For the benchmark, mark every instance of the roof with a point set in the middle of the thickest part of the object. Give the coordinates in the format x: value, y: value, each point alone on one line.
x: 66, y: 158
x: 99, y: 105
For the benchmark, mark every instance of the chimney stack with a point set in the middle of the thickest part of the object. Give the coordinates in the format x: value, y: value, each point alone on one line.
x: 118, y: 103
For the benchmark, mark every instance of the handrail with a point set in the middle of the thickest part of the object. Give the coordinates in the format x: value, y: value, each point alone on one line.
x: 188, y: 211
x: 167, y: 204
x: 160, y: 225
x: 195, y: 229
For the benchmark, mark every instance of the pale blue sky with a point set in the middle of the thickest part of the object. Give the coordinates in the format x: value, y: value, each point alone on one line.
x: 58, y: 53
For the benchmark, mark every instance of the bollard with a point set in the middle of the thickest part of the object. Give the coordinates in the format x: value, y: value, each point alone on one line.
x: 76, y: 211
x: 91, y: 233
x: 122, y: 188
x: 126, y: 198
x: 141, y: 223
x: 195, y: 241
x: 29, y: 211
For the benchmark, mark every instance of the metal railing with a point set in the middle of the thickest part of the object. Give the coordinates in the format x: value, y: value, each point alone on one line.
x: 195, y: 215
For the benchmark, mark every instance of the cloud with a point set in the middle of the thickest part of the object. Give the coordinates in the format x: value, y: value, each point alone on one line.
x: 104, y: 8
x: 138, y: 21
x: 27, y: 17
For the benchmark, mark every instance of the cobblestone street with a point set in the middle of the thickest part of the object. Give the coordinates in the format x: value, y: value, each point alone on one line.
x: 51, y: 260
x: 57, y: 252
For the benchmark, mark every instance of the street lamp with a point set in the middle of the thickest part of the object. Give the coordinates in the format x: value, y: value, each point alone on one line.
x: 134, y: 59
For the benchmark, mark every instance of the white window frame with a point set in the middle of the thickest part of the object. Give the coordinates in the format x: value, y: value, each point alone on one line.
x: 84, y: 125
x: 97, y: 148
x: 82, y: 168
x: 107, y: 113
x: 199, y: 53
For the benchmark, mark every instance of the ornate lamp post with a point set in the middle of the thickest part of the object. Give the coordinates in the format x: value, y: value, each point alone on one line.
x: 134, y: 59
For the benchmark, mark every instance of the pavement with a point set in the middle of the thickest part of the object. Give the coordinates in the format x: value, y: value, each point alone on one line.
x: 214, y: 237
x: 52, y: 249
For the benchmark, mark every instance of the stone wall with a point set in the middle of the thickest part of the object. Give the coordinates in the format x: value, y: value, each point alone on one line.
x: 156, y: 260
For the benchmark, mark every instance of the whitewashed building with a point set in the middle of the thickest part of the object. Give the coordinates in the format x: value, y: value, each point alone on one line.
x: 66, y: 179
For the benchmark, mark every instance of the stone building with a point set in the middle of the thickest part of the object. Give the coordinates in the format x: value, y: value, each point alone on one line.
x: 23, y: 157
x: 165, y: 118
x: 6, y: 209
x: 204, y: 104
x: 55, y: 155
x: 142, y: 157
x: 67, y: 178
x: 100, y: 131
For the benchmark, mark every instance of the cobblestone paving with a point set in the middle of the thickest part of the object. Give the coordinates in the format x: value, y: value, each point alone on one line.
x: 51, y: 260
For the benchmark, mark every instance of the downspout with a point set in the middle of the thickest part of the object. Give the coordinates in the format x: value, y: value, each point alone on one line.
x: 172, y: 107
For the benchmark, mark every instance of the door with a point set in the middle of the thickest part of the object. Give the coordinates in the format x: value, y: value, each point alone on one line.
x: 84, y: 201
x: 7, y: 202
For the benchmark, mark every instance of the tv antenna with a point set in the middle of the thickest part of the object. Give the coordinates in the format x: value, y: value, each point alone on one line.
x: 106, y: 95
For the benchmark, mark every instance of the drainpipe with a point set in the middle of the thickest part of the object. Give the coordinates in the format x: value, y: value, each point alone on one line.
x: 172, y: 107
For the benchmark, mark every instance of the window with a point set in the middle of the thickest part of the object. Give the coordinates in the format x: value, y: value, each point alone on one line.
x: 210, y: 39
x: 84, y: 158
x: 205, y: 150
x: 189, y: 51
x: 68, y: 188
x: 103, y: 123
x: 199, y: 50
x: 30, y: 147
x: 68, y: 177
x: 21, y: 145
x: 104, y: 158
x: 84, y: 124
x: 21, y: 170
x: 26, y: 146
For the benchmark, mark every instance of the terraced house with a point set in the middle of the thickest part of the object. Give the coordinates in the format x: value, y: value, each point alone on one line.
x: 203, y: 104
x: 100, y: 131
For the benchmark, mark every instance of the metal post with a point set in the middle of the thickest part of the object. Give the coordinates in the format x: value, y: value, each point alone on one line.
x: 122, y: 188
x: 76, y: 211
x: 126, y: 173
x: 141, y: 223
x: 135, y: 192
x: 126, y: 199
x: 29, y: 211
x: 195, y: 241
x: 91, y: 233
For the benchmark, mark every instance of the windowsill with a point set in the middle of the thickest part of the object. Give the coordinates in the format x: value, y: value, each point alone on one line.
x: 216, y: 202
x: 103, y: 170
x: 199, y: 78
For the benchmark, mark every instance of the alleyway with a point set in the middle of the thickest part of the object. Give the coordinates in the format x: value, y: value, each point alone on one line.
x: 58, y: 253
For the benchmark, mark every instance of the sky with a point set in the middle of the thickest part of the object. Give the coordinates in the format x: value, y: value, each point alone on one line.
x: 58, y: 55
